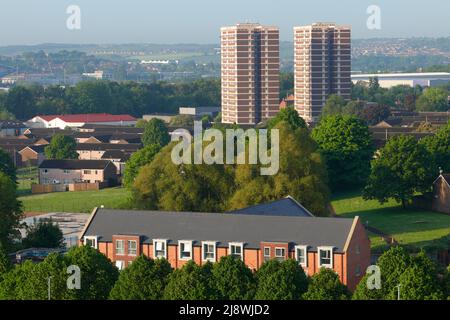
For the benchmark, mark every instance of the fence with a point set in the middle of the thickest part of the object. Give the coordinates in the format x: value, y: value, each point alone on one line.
x: 48, y: 188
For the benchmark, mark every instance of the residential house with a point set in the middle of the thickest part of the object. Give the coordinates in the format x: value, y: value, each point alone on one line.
x: 77, y: 171
x: 79, y: 120
x: 118, y: 157
x: 10, y: 128
x: 33, y: 155
x: 337, y: 243
x: 95, y: 151
x: 284, y: 207
x: 441, y: 193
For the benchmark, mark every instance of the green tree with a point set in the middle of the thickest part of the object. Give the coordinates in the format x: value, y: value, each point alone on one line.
x: 288, y: 115
x: 141, y: 123
x: 232, y: 279
x: 155, y: 132
x: 182, y: 120
x: 433, y: 99
x: 334, y: 106
x: 7, y: 165
x: 401, y: 169
x: 137, y: 160
x: 347, y: 146
x: 191, y: 282
x: 20, y: 101
x: 373, y: 114
x: 98, y: 274
x: 362, y: 291
x: 281, y: 281
x: 12, y: 286
x: 393, y: 264
x: 5, y: 262
x: 10, y: 212
x: 325, y: 285
x: 145, y: 279
x: 61, y: 147
x: 438, y: 145
x: 44, y: 234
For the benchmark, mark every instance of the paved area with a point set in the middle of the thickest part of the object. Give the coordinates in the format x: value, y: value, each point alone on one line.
x: 71, y: 224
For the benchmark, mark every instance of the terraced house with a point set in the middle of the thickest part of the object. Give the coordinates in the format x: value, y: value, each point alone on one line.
x: 336, y: 243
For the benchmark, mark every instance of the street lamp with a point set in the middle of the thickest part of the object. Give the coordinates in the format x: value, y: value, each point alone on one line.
x: 49, y: 284
x: 398, y: 292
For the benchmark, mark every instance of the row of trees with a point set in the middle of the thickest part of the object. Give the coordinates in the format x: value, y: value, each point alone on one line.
x: 228, y: 279
x: 132, y: 98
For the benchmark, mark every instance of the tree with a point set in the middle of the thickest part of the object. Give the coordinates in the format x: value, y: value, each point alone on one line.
x: 232, y: 279
x: 373, y: 114
x: 155, y: 132
x: 433, y: 99
x: 446, y: 283
x: 137, y: 160
x: 393, y: 264
x: 420, y: 280
x: 290, y: 116
x: 333, y: 106
x: 61, y: 147
x: 44, y: 234
x: 98, y: 274
x: 281, y: 281
x: 5, y: 263
x: 438, y: 145
x: 141, y: 123
x: 362, y: 291
x: 302, y: 174
x: 182, y: 120
x: 7, y: 165
x: 10, y: 213
x: 145, y: 279
x: 191, y: 282
x: 347, y: 147
x: 401, y: 170
x: 325, y: 285
x: 20, y: 102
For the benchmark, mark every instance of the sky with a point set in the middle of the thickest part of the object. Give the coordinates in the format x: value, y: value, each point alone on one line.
x: 198, y: 21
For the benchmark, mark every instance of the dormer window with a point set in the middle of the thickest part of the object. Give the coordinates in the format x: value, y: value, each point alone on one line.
x: 91, y: 241
x: 209, y: 251
x: 236, y: 249
x: 280, y: 254
x: 301, y: 255
x: 160, y: 248
x: 325, y: 256
x: 185, y: 250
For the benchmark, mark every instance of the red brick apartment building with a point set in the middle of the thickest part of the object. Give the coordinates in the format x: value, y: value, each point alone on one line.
x: 336, y: 243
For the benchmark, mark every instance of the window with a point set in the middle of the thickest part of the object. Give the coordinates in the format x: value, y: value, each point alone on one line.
x: 209, y: 251
x: 160, y: 248
x: 120, y: 247
x: 357, y: 249
x: 90, y: 241
x: 236, y: 249
x: 120, y: 264
x: 132, y: 247
x: 66, y: 171
x: 301, y: 255
x: 280, y: 253
x: 87, y: 171
x: 185, y: 250
x: 266, y: 253
x: 358, y: 270
x: 325, y: 255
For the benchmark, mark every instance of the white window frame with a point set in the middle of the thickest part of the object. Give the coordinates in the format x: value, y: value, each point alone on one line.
x: 305, y: 250
x: 92, y: 238
x: 155, y: 241
x: 184, y: 242
x: 123, y: 247
x: 120, y: 264
x: 209, y: 243
x: 284, y: 253
x: 128, y: 247
x: 325, y: 248
x: 236, y: 244
x: 264, y: 253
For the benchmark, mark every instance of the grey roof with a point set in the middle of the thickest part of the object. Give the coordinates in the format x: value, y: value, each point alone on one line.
x: 283, y: 207
x: 220, y: 227
x: 74, y: 164
x: 11, y: 124
x: 108, y: 146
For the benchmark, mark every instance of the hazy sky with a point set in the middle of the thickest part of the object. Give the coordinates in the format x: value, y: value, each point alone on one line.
x: 198, y: 21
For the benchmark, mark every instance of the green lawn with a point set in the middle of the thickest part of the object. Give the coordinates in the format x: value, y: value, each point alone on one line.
x: 411, y: 227
x: 83, y: 201
x: 25, y: 177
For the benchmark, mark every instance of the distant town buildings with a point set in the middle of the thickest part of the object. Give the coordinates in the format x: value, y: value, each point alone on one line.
x: 322, y: 66
x: 388, y: 80
x: 98, y: 75
x: 199, y: 111
x: 79, y: 120
x: 250, y: 66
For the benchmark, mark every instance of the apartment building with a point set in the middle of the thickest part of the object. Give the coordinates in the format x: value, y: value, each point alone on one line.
x: 322, y: 66
x: 336, y: 243
x: 250, y: 66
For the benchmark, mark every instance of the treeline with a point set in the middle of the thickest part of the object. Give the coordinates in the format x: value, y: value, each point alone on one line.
x: 228, y: 279
x: 132, y: 98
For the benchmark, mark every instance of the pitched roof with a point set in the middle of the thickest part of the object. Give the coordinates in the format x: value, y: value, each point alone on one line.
x: 109, y: 146
x: 116, y: 154
x: 36, y: 148
x: 283, y: 207
x: 90, y: 117
x: 11, y: 124
x: 220, y: 227
x: 74, y: 164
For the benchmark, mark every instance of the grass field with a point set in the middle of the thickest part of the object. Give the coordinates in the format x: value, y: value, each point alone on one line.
x: 25, y: 177
x: 411, y: 227
x: 83, y: 201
